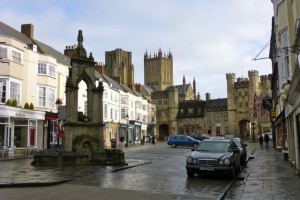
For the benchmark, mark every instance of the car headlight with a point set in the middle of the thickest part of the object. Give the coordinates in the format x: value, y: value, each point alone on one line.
x: 221, y: 162
x: 227, y: 161
x: 189, y: 160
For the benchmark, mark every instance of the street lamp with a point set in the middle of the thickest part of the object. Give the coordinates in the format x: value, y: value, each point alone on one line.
x: 58, y: 104
x: 127, y: 119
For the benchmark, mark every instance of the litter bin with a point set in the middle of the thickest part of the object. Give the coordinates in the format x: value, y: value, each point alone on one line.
x: 113, y: 143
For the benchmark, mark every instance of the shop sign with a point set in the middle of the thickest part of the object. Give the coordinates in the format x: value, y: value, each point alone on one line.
x: 61, y: 133
x: 20, y: 115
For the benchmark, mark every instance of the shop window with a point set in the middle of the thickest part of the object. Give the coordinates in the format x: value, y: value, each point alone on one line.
x: 20, y: 136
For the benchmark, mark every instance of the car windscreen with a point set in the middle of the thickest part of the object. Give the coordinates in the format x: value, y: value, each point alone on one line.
x: 214, y: 146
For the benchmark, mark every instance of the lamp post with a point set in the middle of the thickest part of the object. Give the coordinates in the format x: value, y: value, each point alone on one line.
x: 58, y: 104
x: 127, y: 119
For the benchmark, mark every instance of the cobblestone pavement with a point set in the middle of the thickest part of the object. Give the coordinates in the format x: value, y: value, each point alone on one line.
x: 267, y: 176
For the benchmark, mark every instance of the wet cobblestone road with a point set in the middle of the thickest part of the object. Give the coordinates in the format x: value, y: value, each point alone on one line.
x: 160, y: 174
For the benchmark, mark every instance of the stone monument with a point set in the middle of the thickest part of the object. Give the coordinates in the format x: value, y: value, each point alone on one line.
x: 83, y: 137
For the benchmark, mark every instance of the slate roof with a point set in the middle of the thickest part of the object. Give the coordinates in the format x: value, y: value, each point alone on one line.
x: 115, y: 84
x: 180, y: 88
x: 217, y: 105
x: 191, y: 108
x: 46, y: 49
x: 146, y: 89
x: 42, y: 48
x: 10, y: 32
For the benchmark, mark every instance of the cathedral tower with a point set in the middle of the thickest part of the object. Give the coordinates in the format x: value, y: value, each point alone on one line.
x: 118, y: 65
x: 158, y: 70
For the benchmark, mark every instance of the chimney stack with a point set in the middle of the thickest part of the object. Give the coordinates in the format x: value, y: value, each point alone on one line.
x: 28, y: 30
x: 207, y: 97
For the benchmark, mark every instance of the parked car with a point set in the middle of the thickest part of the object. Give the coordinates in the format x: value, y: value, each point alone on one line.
x: 215, y: 156
x: 200, y: 137
x: 182, y: 140
x: 242, y: 147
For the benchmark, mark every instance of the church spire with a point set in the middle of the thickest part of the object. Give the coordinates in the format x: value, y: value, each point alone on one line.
x: 183, y: 84
x: 194, y: 89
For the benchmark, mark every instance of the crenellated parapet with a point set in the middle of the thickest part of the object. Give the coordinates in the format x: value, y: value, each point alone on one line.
x: 264, y: 77
x: 253, y: 73
x: 230, y: 76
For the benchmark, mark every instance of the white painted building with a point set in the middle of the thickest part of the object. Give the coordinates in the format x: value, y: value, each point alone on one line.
x: 29, y: 75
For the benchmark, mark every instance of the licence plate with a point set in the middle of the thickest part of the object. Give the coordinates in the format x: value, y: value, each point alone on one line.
x: 207, y: 168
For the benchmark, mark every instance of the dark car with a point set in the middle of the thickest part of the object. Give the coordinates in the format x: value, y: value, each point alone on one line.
x: 182, y: 140
x: 200, y: 137
x: 215, y: 156
x: 239, y: 142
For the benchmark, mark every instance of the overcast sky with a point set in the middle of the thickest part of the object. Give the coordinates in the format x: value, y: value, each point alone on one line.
x: 208, y: 38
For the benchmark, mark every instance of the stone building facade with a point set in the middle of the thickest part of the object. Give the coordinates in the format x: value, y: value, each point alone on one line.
x: 245, y: 118
x: 118, y: 65
x: 180, y: 109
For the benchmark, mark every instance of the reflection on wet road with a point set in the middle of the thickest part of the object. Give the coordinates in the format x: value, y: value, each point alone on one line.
x: 164, y: 172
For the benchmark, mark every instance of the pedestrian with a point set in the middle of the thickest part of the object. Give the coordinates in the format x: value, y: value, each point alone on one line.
x: 266, y: 140
x: 153, y: 140
x: 122, y: 139
x: 261, y: 141
x: 143, y: 139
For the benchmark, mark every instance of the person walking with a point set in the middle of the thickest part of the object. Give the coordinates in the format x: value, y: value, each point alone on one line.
x: 153, y: 140
x: 122, y: 139
x: 266, y: 140
x: 261, y: 141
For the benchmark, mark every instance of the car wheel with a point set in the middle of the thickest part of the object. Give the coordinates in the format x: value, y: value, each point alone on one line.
x: 190, y: 174
x: 173, y: 145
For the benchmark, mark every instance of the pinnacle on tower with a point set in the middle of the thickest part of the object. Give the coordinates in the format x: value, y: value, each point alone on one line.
x: 80, y: 52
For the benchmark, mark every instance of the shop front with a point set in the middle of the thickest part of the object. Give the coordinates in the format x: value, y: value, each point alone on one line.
x: 20, y: 128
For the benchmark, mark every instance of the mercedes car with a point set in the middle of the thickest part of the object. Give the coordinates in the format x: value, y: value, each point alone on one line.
x: 214, y: 156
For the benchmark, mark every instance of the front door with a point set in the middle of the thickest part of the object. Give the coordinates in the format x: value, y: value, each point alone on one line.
x: 32, y: 136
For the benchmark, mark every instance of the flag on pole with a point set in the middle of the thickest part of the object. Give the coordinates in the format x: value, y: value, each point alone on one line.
x: 256, y: 104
